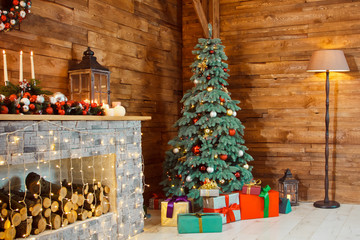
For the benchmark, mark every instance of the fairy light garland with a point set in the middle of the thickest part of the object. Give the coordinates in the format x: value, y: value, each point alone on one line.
x: 121, y: 149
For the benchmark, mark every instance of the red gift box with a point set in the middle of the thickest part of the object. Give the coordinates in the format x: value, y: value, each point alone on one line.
x: 252, y: 206
x: 251, y: 189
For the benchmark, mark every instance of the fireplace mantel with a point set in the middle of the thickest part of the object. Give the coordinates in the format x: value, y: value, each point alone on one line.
x: 28, y: 117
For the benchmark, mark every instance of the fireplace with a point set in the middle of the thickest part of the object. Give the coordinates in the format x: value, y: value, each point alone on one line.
x: 91, y: 152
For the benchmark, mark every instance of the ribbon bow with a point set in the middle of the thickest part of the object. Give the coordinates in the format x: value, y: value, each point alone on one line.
x: 227, y: 211
x: 251, y: 184
x: 265, y: 194
x: 209, y: 185
x: 160, y: 195
x: 172, y: 201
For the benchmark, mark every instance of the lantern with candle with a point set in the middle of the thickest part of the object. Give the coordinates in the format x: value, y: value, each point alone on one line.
x: 288, y: 188
x: 90, y: 80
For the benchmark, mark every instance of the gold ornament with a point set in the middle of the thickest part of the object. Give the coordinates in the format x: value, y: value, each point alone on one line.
x: 209, y: 89
x: 222, y: 181
x: 202, y: 65
x: 198, y: 57
x: 215, y: 156
x: 182, y: 159
x: 192, y: 106
x: 215, y: 47
x: 221, y: 103
x: 207, y: 131
x: 229, y: 112
x: 246, y: 166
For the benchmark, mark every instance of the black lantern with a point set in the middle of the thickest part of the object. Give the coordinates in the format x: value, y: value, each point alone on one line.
x: 89, y: 80
x: 288, y: 188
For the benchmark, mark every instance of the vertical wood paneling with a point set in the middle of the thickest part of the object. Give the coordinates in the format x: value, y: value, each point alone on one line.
x: 138, y: 40
x: 269, y: 44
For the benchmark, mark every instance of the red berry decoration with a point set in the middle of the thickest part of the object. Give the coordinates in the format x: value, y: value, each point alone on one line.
x: 93, y: 105
x: 4, y: 110
x: 208, y: 77
x: 196, y: 149
x: 232, y: 132
x: 61, y: 112
x: 223, y: 157
x: 49, y: 110
x: 202, y: 168
x: 84, y: 112
x: 225, y: 69
x: 237, y: 175
x: 13, y: 97
x: 222, y: 100
x: 195, y: 120
x: 32, y: 106
x: 211, y: 51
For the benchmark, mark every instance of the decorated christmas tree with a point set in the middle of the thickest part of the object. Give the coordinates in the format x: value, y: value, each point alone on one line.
x: 209, y: 144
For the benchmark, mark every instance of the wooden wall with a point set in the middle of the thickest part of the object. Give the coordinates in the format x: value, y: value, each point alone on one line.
x: 138, y: 40
x: 269, y: 44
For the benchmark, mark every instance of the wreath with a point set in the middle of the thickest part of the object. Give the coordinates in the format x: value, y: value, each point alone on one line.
x: 14, y: 16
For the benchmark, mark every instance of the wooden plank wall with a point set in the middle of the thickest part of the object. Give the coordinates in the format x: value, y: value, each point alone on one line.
x: 269, y: 44
x: 138, y: 40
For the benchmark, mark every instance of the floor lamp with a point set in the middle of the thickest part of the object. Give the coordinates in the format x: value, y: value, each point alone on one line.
x: 327, y: 61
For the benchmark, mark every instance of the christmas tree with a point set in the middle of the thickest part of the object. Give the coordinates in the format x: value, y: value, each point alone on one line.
x: 210, y: 142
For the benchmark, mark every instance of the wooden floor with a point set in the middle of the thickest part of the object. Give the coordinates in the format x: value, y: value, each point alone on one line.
x: 304, y: 222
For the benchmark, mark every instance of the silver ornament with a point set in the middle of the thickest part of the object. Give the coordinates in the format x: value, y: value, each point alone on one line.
x: 210, y: 169
x: 234, y: 114
x: 188, y: 178
x: 196, y: 81
x: 222, y: 181
x: 246, y: 166
x: 213, y: 114
x: 59, y: 97
x: 25, y: 101
x: 40, y: 99
x: 25, y: 108
x: 241, y: 153
x: 176, y: 150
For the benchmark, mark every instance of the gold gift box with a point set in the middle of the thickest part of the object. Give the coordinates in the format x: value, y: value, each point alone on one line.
x: 179, y: 207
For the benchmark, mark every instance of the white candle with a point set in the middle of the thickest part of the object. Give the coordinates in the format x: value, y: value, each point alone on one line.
x: 109, y: 112
x: 288, y: 196
x: 5, y: 69
x: 21, y: 67
x: 32, y: 65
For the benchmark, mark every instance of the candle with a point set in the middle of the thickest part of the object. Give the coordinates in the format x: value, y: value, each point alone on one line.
x: 32, y: 65
x: 109, y: 112
x: 5, y: 69
x: 21, y: 67
x: 288, y: 196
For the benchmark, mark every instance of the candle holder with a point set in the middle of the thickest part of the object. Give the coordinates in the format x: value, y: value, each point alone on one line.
x: 288, y: 188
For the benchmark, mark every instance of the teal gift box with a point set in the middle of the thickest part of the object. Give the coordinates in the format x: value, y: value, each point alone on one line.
x: 199, y: 222
x: 226, y: 204
x: 284, y: 205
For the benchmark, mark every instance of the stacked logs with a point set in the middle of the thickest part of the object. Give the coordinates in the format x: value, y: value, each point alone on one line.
x: 47, y: 205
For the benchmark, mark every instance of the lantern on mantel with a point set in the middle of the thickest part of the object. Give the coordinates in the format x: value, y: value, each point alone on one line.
x: 288, y: 188
x: 89, y: 80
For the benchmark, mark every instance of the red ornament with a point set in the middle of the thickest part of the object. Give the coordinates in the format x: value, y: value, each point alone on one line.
x: 61, y: 112
x: 15, y: 2
x: 4, y: 110
x: 223, y: 157
x: 225, y: 69
x: 3, y: 18
x: 208, y: 77
x: 27, y: 95
x: 195, y: 120
x: 237, y: 174
x: 222, y: 100
x: 211, y: 51
x: 232, y: 132
x: 202, y: 168
x: 13, y: 97
x: 49, y: 110
x: 93, y: 105
x: 196, y: 149
x: 62, y: 103
x: 32, y: 106
x: 84, y: 112
x: 18, y: 106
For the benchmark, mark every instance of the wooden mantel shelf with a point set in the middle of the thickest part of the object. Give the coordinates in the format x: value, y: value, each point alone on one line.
x: 18, y: 117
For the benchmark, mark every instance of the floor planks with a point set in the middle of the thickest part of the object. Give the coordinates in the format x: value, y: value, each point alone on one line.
x: 304, y: 222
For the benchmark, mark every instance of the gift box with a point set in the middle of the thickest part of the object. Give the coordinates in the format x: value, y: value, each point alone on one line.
x: 284, y: 205
x: 155, y: 201
x: 209, y: 192
x: 209, y: 189
x: 171, y: 207
x: 226, y: 204
x: 199, y: 223
x: 262, y: 206
x: 253, y: 188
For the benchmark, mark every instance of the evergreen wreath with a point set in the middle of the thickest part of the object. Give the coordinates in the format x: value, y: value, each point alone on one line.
x: 9, y: 18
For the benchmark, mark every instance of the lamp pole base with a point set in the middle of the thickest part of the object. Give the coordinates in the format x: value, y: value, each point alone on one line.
x: 329, y: 204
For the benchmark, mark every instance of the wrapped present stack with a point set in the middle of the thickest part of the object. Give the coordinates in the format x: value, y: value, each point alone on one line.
x: 257, y: 202
x: 225, y: 204
x: 171, y: 207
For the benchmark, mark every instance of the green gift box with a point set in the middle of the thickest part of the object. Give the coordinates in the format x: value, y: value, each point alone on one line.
x: 199, y: 222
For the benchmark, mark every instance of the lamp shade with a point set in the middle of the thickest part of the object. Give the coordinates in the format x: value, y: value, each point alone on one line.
x: 328, y: 60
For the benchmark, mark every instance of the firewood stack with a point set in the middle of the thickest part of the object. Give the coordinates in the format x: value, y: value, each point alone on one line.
x: 48, y: 205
